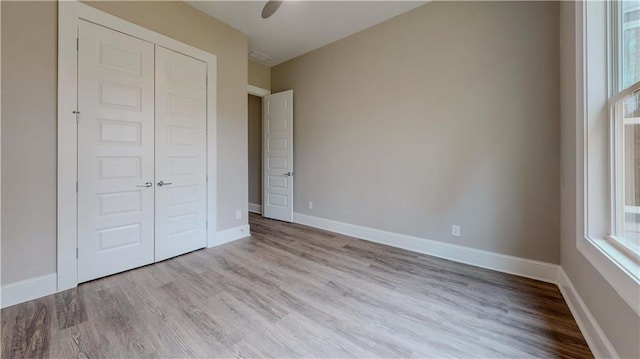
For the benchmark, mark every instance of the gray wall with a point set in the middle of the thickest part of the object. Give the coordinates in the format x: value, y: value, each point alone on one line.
x: 448, y: 114
x: 618, y: 321
x: 29, y: 98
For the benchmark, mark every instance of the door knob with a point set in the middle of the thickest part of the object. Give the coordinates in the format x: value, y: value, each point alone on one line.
x: 163, y: 183
x: 146, y: 184
x: 289, y: 174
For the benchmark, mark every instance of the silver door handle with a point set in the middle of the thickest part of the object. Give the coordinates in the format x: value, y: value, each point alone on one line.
x: 146, y: 184
x: 289, y: 174
x: 163, y: 183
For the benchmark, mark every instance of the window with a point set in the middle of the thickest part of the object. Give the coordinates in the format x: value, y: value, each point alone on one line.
x: 607, y: 61
x: 625, y: 126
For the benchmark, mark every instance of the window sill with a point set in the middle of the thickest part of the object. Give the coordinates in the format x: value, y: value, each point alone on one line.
x: 618, y: 269
x: 626, y: 252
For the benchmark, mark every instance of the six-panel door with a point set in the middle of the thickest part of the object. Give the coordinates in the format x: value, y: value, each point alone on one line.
x: 115, y: 152
x: 277, y: 162
x: 141, y: 152
x: 181, y: 162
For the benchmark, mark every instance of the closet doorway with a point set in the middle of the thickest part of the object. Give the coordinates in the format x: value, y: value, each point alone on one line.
x: 141, y: 152
x: 143, y: 157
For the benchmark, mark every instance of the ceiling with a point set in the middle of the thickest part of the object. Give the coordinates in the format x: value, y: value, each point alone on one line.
x: 301, y: 26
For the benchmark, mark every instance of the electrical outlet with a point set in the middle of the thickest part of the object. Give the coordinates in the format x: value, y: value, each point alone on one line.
x: 455, y: 230
x: 310, y: 205
x: 238, y: 214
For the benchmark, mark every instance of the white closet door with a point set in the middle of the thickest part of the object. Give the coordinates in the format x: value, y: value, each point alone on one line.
x: 181, y: 162
x: 115, y: 152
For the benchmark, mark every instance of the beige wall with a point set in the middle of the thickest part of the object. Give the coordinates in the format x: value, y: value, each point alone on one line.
x: 29, y: 37
x: 255, y: 149
x: 618, y: 321
x: 259, y: 75
x: 29, y: 105
x: 457, y: 123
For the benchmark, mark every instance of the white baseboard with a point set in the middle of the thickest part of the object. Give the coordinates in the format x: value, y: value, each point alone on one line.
x: 543, y: 271
x: 598, y: 342
x: 231, y: 234
x: 255, y: 208
x: 29, y: 289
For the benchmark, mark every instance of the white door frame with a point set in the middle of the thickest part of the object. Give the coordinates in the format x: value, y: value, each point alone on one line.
x: 257, y: 91
x: 69, y: 13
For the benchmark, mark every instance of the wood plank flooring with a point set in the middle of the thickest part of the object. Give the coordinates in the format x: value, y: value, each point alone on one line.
x: 294, y: 291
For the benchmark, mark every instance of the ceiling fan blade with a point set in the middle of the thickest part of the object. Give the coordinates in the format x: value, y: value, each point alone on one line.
x: 270, y: 7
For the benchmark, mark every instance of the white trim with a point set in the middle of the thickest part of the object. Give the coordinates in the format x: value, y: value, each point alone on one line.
x: 212, y: 148
x: 69, y: 13
x: 598, y: 342
x: 630, y: 250
x: 632, y: 209
x: 0, y: 161
x: 232, y: 234
x: 29, y: 289
x: 627, y: 92
x: 255, y: 208
x: 631, y: 121
x: 543, y: 271
x: 67, y: 146
x: 257, y: 91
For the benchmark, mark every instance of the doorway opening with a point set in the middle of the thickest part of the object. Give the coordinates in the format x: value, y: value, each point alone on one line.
x: 270, y: 153
x: 254, y: 126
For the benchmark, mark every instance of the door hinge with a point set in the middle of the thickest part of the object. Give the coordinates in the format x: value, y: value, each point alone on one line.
x: 77, y: 44
x: 76, y: 252
x: 76, y: 186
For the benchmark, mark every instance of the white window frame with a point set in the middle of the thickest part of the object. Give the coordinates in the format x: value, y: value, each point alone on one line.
x: 594, y: 217
x: 617, y: 95
x: 618, y: 207
x: 69, y: 14
x: 616, y: 26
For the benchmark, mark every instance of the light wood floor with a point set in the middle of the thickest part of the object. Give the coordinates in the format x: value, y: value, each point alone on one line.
x: 293, y: 291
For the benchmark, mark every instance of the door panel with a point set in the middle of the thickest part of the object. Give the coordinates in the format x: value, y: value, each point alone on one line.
x: 181, y: 111
x: 277, y: 172
x: 115, y: 152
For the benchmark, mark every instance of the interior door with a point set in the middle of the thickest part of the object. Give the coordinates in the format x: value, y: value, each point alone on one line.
x: 277, y: 152
x: 181, y: 159
x: 115, y: 152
